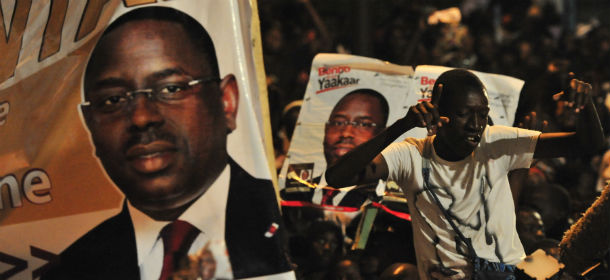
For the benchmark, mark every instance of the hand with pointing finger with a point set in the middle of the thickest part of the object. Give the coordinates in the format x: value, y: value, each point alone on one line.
x: 425, y: 114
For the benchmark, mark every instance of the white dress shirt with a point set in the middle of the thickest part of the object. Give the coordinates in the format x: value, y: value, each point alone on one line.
x: 207, y: 214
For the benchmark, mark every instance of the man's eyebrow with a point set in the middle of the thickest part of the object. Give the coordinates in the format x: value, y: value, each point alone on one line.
x: 168, y: 72
x: 336, y: 116
x: 110, y: 82
x: 119, y: 82
x: 363, y: 118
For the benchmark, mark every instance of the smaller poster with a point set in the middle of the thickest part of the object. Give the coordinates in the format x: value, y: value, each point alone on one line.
x: 349, y: 100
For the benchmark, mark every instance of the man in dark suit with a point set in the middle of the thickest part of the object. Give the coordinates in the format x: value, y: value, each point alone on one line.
x: 357, y: 117
x: 158, y: 115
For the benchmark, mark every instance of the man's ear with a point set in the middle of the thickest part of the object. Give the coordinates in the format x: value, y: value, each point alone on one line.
x: 230, y: 100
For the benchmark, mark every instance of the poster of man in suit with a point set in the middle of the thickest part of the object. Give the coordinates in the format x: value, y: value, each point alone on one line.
x: 169, y: 118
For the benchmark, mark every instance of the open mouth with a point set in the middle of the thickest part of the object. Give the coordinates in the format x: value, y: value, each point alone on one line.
x: 473, y: 139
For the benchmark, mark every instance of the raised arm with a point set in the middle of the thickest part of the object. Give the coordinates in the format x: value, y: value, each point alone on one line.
x: 364, y: 164
x: 589, y: 135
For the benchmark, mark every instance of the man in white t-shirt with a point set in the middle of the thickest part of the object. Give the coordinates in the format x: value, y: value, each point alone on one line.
x: 464, y: 163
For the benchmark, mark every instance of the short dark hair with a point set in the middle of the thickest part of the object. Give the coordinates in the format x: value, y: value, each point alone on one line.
x: 456, y: 82
x: 385, y: 108
x: 196, y: 33
x: 318, y: 228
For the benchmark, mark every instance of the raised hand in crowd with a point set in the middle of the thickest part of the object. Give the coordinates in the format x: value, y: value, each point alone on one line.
x: 576, y: 94
x: 574, y: 97
x: 532, y: 122
x: 588, y: 137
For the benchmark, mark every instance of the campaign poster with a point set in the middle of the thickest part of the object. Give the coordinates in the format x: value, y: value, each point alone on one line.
x: 349, y: 100
x: 156, y: 101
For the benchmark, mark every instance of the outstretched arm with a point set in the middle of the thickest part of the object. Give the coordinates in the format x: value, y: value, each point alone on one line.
x: 364, y: 164
x: 589, y: 135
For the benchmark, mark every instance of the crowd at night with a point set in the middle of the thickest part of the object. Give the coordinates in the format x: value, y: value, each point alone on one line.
x: 534, y: 41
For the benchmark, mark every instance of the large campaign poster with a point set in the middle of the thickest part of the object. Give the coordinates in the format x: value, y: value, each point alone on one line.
x: 74, y: 125
x: 350, y: 99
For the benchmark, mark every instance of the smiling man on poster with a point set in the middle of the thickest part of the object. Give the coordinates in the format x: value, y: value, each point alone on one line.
x: 159, y: 115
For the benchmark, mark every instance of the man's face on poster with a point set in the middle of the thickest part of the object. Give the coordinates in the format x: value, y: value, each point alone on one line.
x: 161, y: 153
x: 355, y: 119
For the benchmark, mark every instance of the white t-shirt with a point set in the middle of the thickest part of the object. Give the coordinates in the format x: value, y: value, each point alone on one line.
x: 483, y: 207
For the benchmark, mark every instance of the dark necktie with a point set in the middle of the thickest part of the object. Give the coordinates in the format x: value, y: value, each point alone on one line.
x: 177, y: 239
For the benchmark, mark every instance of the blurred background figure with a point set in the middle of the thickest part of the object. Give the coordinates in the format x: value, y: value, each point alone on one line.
x: 282, y: 135
x: 603, y: 172
x: 552, y: 204
x: 345, y: 269
x: 530, y: 228
x: 324, y: 245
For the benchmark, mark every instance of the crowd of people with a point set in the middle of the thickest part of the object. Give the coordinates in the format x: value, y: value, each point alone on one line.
x: 529, y: 40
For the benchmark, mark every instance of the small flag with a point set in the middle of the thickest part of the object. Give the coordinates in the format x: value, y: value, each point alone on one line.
x: 272, y: 229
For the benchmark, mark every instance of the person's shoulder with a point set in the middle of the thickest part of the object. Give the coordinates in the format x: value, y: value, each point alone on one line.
x: 498, y: 141
x: 103, y: 249
x: 245, y: 189
x: 414, y: 141
x: 410, y: 143
x: 422, y: 145
x: 497, y: 132
x: 241, y: 177
x: 498, y: 129
x: 91, y: 239
x: 102, y: 238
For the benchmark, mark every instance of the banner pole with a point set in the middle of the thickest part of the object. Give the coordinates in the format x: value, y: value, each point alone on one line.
x: 261, y: 80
